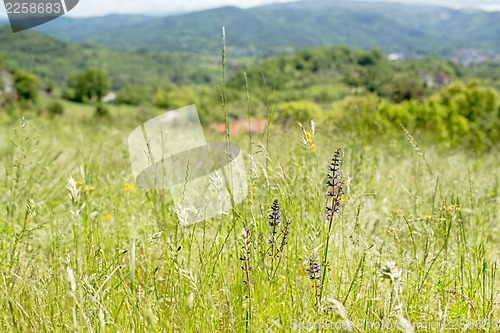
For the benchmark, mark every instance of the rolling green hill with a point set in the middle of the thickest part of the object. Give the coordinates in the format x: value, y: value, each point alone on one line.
x: 65, y: 28
x: 56, y: 60
x: 287, y: 27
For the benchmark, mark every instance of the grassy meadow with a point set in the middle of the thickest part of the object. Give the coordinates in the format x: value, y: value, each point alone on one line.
x: 414, y: 245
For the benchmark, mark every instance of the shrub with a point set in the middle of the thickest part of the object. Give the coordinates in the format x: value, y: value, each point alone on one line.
x: 461, y: 113
x: 173, y: 97
x: 55, y: 109
x: 101, y: 110
x: 358, y: 114
x: 297, y: 111
x: 134, y: 95
x: 26, y: 86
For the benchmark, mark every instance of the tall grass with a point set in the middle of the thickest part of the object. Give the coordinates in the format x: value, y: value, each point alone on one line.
x: 415, y: 241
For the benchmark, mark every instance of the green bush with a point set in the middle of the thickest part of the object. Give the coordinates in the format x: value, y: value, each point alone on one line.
x: 388, y: 115
x: 55, y: 109
x: 26, y: 85
x: 402, y: 88
x: 459, y: 114
x: 297, y: 111
x: 102, y: 110
x: 134, y: 95
x: 173, y: 98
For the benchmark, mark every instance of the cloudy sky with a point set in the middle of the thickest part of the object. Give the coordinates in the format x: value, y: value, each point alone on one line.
x: 102, y: 7
x: 159, y: 7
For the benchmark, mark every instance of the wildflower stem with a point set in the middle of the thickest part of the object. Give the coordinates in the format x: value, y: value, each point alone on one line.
x: 284, y: 233
x: 245, y: 258
x: 315, y: 275
x: 274, y: 223
x: 335, y: 191
x: 325, y: 255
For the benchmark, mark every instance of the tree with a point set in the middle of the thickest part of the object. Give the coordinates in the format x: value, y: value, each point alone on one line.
x: 91, y: 85
x: 26, y: 86
x: 403, y: 87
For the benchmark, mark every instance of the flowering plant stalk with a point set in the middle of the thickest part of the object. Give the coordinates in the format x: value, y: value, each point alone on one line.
x: 314, y: 271
x: 277, y: 241
x: 334, y: 194
x: 246, y: 268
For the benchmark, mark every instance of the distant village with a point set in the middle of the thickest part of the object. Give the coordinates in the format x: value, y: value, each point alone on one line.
x: 467, y: 56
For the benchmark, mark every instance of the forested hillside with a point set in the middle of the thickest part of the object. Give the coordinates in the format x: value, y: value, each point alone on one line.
x: 55, y: 60
x: 281, y: 28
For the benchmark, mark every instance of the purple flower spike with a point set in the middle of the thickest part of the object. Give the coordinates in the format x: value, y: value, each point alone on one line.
x: 334, y: 185
x: 314, y: 271
x: 275, y: 216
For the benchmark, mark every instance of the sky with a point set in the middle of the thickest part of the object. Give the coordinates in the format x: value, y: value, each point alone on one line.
x: 86, y: 8
x: 103, y: 7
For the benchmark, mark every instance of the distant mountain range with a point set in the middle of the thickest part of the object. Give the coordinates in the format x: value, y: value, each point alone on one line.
x: 131, y: 47
x: 286, y: 27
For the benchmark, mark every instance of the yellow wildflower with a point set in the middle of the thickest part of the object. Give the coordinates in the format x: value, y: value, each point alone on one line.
x: 107, y: 217
x: 313, y: 148
x: 89, y: 189
x: 78, y: 183
x: 452, y: 209
x: 345, y: 198
x: 427, y: 217
x: 127, y: 187
x: 309, y: 137
x: 393, y: 232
